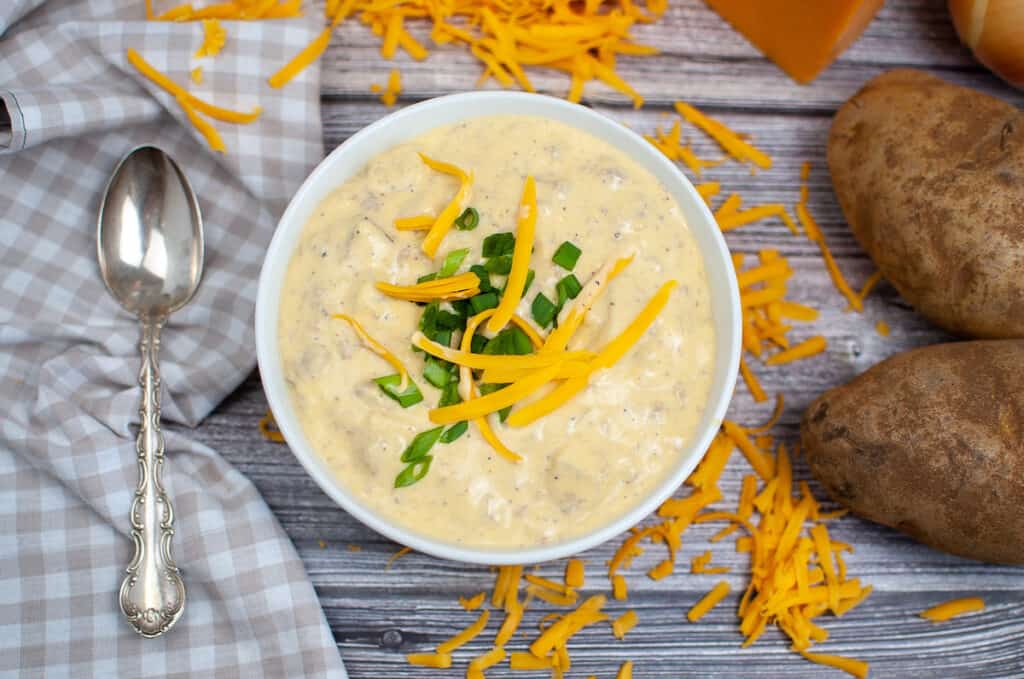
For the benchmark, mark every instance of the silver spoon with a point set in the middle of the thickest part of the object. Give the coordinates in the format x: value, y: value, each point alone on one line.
x: 150, y: 247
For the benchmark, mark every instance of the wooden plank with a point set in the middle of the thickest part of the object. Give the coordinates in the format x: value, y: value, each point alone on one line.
x: 378, y: 615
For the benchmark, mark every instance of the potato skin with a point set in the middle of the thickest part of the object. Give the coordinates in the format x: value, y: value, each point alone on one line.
x: 930, y: 176
x: 930, y: 442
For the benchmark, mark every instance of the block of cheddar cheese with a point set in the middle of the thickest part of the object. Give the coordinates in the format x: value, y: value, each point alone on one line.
x: 802, y: 36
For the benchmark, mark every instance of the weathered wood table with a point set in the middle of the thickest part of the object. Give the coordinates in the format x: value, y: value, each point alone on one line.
x: 378, y: 615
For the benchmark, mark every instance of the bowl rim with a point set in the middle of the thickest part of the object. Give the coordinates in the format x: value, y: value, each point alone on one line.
x: 276, y: 262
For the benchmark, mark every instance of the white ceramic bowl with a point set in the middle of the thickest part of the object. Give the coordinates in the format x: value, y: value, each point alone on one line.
x: 406, y: 124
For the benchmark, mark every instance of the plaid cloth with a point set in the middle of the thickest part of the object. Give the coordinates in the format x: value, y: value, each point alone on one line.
x: 70, y: 108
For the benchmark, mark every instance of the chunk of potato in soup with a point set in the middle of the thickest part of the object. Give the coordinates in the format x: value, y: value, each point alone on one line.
x: 583, y: 465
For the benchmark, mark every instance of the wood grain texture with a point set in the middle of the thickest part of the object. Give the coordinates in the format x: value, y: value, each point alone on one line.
x: 377, y: 615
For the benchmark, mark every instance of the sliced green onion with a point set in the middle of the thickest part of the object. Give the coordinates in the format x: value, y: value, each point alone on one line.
x: 567, y: 255
x: 414, y: 472
x: 543, y: 309
x: 568, y: 288
x: 436, y: 373
x: 454, y: 432
x: 452, y: 262
x: 389, y: 385
x: 485, y: 278
x: 442, y: 337
x: 483, y: 301
x: 421, y: 444
x: 511, y: 340
x: 520, y: 342
x: 478, y: 344
x: 446, y: 320
x: 530, y: 274
x: 426, y: 277
x: 468, y: 220
x: 498, y: 244
x: 501, y: 265
x: 450, y: 395
x: 429, y: 317
x: 461, y: 308
x: 490, y: 389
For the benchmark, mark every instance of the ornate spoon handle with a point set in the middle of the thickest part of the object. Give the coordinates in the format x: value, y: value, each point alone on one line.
x: 152, y: 593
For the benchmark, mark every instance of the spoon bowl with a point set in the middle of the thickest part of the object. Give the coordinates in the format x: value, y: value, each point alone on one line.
x: 150, y: 247
x: 150, y: 238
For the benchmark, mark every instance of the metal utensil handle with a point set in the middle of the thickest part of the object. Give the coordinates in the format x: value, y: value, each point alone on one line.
x: 152, y: 594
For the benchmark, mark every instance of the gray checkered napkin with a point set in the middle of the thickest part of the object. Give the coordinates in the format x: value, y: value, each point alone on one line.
x: 70, y: 108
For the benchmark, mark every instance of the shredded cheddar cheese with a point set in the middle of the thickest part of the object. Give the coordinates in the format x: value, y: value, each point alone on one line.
x: 869, y: 285
x: 619, y: 589
x: 390, y: 93
x: 623, y: 624
x: 809, y: 347
x: 671, y: 145
x: 396, y: 556
x: 606, y: 358
x: 625, y: 670
x: 525, y: 230
x: 192, y: 105
x: 588, y: 613
x: 436, y: 660
x: 196, y: 75
x: 473, y: 602
x: 709, y: 601
x: 468, y: 390
x: 461, y: 286
x: 953, y: 608
x: 574, y: 573
x: 466, y: 635
x: 268, y: 427
x: 443, y: 224
x: 882, y: 328
x: 303, y: 59
x: 214, y: 38
x: 417, y: 223
x: 700, y: 564
x: 857, y: 668
x: 730, y: 142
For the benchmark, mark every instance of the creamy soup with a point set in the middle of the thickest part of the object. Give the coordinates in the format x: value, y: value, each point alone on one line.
x: 584, y: 464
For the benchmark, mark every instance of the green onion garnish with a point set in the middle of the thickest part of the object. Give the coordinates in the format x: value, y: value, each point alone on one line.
x: 421, y: 444
x: 501, y: 265
x: 511, y: 340
x: 485, y: 278
x: 389, y: 385
x: 483, y: 301
x: 452, y: 262
x: 490, y: 389
x: 450, y: 395
x: 478, y: 344
x: 567, y: 255
x: 498, y: 244
x: 442, y: 337
x: 446, y: 320
x: 544, y: 310
x: 530, y: 274
x: 435, y: 372
x: 454, y: 432
x: 468, y: 220
x: 568, y: 288
x: 414, y: 472
x: 426, y: 277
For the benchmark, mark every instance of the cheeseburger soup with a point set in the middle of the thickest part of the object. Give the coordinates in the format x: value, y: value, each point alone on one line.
x: 582, y: 464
